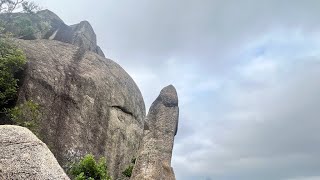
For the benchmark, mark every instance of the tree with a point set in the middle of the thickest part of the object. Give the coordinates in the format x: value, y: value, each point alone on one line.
x: 8, y: 20
x: 26, y: 115
x: 89, y: 169
x: 12, y: 61
x: 128, y: 171
x: 9, y: 6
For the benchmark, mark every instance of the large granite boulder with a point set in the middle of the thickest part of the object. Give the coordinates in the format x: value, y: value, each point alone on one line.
x: 89, y: 104
x: 154, y: 159
x: 24, y: 156
x: 47, y: 25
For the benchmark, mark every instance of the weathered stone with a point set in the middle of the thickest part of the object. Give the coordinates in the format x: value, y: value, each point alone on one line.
x: 24, y: 156
x: 81, y: 35
x: 48, y: 25
x: 89, y: 103
x: 154, y: 160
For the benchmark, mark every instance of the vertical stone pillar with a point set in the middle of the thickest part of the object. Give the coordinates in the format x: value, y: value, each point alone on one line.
x: 154, y: 160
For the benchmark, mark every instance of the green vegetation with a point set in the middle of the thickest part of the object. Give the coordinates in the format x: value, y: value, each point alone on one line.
x: 12, y: 61
x: 22, y: 27
x: 128, y: 171
x: 16, y: 24
x: 29, y: 7
x: 89, y: 169
x: 26, y: 115
x: 26, y: 26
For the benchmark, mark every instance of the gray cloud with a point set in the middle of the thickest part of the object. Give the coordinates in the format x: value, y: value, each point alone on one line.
x: 271, y: 132
x: 209, y: 31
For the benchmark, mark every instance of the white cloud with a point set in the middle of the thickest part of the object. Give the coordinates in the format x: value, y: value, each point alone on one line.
x: 269, y: 128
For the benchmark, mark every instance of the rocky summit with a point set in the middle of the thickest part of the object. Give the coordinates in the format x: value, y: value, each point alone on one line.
x: 47, y: 25
x: 89, y: 105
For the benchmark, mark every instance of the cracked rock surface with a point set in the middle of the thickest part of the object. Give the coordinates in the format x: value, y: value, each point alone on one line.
x: 24, y: 156
x: 89, y: 104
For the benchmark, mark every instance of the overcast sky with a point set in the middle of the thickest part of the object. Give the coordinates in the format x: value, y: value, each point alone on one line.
x: 246, y: 71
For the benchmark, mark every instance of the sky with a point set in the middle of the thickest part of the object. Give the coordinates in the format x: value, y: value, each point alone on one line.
x: 246, y: 72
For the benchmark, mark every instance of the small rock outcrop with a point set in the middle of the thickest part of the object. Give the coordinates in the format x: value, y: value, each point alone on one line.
x: 81, y: 34
x: 24, y: 156
x: 89, y: 104
x: 154, y: 159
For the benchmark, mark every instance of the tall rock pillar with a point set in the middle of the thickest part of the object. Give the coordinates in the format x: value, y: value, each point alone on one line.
x: 154, y: 159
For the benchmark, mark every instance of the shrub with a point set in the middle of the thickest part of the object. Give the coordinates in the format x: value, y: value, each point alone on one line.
x: 12, y: 61
x: 26, y: 115
x: 17, y: 24
x: 133, y: 160
x: 128, y: 171
x: 89, y: 169
x: 24, y: 26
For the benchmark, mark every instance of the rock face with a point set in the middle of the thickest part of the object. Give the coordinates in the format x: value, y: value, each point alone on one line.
x: 89, y: 104
x: 47, y: 25
x: 154, y: 160
x: 81, y: 35
x: 24, y: 156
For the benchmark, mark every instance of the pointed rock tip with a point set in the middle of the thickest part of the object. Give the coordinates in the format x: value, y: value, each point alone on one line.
x: 47, y: 12
x: 169, y: 96
x: 85, y: 22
